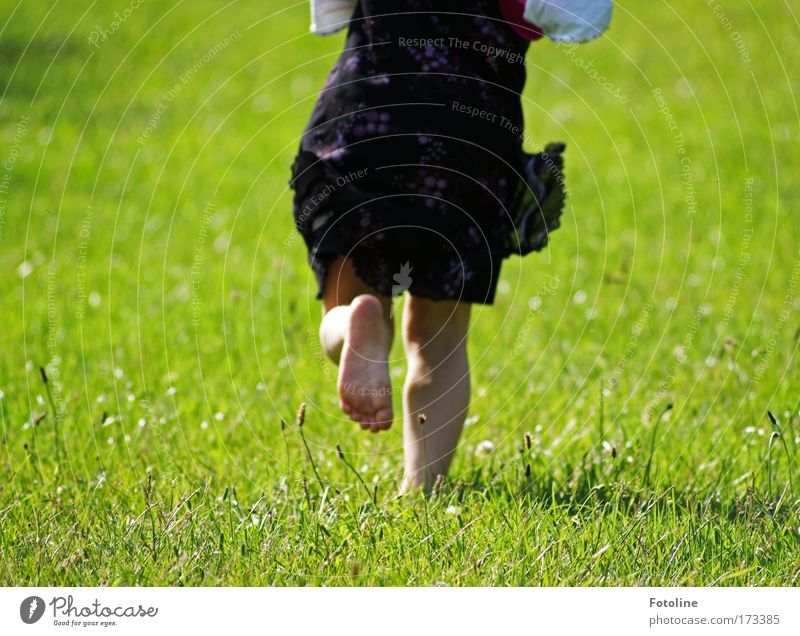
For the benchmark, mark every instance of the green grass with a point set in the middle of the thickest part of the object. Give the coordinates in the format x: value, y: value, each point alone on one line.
x: 152, y: 278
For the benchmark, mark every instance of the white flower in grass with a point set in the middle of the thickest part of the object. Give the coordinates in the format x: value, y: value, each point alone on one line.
x: 24, y: 269
x: 451, y: 510
x: 485, y: 448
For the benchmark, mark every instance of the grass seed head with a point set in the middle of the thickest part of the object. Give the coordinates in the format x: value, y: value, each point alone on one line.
x: 339, y: 451
x: 301, y: 414
x: 772, y: 418
x: 528, y: 442
x: 421, y: 419
x: 484, y: 449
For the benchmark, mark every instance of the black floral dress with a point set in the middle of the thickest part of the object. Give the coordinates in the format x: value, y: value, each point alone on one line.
x: 412, y: 162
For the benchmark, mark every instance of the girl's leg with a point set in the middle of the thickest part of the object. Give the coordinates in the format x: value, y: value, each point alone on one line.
x: 356, y: 332
x: 437, y: 385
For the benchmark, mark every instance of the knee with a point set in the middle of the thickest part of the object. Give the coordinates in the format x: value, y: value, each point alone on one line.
x: 432, y: 332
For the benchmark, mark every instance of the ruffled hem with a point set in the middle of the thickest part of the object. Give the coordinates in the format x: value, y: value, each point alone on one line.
x: 324, y: 195
x: 469, y: 277
x: 539, y: 200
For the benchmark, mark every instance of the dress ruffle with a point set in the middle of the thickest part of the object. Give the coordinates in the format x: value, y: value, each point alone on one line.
x: 540, y: 199
x: 328, y: 208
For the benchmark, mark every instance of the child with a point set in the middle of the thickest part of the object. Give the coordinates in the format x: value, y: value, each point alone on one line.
x: 411, y: 178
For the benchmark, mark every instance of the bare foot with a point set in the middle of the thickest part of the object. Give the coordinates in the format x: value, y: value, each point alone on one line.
x: 365, y: 390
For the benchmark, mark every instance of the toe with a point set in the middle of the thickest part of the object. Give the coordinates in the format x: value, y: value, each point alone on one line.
x: 384, y: 419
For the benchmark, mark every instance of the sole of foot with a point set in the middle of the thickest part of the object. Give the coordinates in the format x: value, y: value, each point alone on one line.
x: 365, y: 390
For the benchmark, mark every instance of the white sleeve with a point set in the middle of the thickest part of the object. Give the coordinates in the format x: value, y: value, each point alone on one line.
x: 569, y: 20
x: 330, y: 16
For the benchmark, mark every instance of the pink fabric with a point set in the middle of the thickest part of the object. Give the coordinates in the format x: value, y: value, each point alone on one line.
x: 512, y: 11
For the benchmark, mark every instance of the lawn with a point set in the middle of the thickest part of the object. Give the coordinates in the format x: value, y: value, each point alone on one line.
x: 636, y: 413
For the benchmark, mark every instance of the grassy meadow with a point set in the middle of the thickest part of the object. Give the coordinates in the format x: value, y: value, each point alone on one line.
x: 635, y: 415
